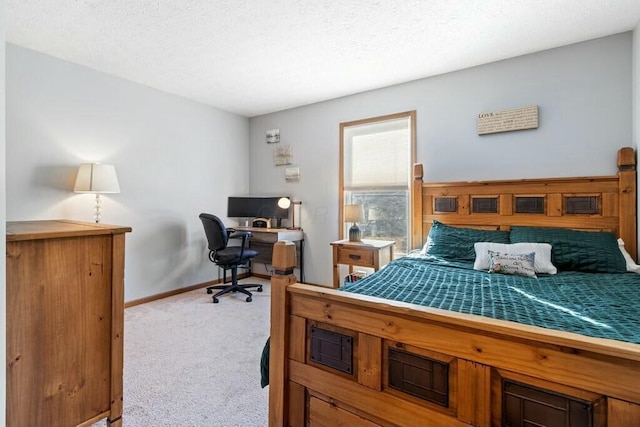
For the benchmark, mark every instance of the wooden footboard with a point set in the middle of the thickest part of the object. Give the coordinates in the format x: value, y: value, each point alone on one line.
x: 339, y: 359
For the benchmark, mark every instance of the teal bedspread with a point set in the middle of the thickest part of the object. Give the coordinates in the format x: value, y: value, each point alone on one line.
x: 593, y: 304
x: 598, y: 305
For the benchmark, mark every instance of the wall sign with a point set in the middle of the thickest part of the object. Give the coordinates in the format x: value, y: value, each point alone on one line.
x: 508, y: 120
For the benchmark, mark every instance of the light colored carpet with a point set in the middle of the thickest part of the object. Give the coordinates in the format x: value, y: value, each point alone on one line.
x: 189, y: 362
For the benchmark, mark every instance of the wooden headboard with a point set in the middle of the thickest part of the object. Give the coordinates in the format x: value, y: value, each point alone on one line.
x: 596, y: 203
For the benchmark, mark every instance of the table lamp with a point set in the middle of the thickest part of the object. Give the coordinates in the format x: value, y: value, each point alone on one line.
x: 354, y: 214
x: 98, y: 179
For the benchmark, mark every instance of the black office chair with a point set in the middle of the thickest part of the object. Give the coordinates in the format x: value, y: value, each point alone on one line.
x: 227, y: 257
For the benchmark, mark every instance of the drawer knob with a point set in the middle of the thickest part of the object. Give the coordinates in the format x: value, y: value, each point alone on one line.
x: 356, y: 257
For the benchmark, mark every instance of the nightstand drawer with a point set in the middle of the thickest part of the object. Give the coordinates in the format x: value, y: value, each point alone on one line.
x: 366, y: 253
x: 353, y: 256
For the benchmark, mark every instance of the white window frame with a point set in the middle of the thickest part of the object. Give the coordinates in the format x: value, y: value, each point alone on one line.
x: 411, y: 115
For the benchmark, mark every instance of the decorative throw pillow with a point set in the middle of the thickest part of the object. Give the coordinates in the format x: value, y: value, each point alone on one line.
x: 632, y: 267
x: 516, y: 264
x: 542, y: 254
x: 588, y: 251
x: 457, y: 242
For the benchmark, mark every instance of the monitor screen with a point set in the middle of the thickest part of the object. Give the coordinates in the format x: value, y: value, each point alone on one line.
x: 255, y: 207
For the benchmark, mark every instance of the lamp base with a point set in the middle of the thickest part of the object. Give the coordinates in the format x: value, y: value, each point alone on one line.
x: 354, y: 233
x: 98, y: 209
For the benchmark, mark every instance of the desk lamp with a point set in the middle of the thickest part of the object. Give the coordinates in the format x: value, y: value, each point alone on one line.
x: 354, y: 214
x: 285, y: 203
x: 98, y: 179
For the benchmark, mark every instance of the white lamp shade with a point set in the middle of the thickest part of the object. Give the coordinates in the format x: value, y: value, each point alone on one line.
x: 96, y: 178
x: 284, y: 203
x: 353, y: 213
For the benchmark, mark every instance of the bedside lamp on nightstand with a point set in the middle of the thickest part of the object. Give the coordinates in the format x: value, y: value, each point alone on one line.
x: 354, y: 214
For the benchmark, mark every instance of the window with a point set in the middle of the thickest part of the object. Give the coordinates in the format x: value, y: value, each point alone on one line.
x: 376, y: 156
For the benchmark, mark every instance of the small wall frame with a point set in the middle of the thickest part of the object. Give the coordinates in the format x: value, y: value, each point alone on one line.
x: 273, y: 136
x: 282, y: 155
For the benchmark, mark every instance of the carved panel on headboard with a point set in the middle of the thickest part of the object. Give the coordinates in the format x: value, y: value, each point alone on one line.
x: 582, y: 205
x: 484, y: 205
x: 445, y: 204
x: 529, y: 205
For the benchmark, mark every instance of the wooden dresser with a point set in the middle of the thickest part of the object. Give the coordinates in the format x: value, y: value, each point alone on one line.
x: 65, y: 320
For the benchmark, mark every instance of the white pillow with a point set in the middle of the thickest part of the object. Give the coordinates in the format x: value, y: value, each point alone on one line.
x: 631, y: 265
x: 542, y: 258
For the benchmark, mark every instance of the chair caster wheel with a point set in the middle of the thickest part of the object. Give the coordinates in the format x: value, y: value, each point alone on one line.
x: 209, y: 291
x: 216, y: 300
x: 249, y: 299
x: 260, y: 289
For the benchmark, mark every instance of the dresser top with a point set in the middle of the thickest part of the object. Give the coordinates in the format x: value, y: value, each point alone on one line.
x: 51, y: 229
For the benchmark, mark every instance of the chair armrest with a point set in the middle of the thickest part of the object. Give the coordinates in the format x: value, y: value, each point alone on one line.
x: 233, y: 234
x: 244, y: 235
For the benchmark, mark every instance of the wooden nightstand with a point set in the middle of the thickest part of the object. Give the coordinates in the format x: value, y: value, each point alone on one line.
x: 367, y: 253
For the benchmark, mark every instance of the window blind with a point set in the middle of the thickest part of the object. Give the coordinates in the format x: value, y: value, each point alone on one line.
x: 377, y: 155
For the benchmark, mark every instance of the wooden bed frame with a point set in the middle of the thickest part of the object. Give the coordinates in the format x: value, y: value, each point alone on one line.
x: 340, y: 359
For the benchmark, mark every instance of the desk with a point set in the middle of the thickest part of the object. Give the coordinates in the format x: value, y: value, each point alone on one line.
x: 367, y: 253
x: 262, y: 240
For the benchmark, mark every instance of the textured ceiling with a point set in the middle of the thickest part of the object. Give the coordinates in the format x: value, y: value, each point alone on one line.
x: 257, y: 56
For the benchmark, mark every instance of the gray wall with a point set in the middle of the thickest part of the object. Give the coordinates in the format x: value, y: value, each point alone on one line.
x: 62, y: 114
x: 636, y: 98
x: 584, y: 95
x: 3, y: 283
x: 174, y: 158
x: 636, y: 85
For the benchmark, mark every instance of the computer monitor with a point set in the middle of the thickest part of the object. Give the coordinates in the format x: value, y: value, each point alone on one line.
x: 255, y: 207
